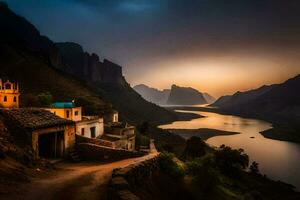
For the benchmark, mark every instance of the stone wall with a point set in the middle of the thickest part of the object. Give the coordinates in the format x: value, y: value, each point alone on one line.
x: 88, y: 151
x: 125, y: 180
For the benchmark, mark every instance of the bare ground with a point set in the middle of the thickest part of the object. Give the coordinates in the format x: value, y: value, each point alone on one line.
x: 88, y: 180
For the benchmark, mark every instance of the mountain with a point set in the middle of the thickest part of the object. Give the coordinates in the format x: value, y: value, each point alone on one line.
x: 28, y: 57
x: 278, y: 104
x: 239, y: 98
x: 153, y: 95
x: 88, y: 66
x: 106, y: 78
x: 174, y: 96
x: 209, y: 99
x: 185, y: 96
x: 221, y: 101
x: 67, y: 72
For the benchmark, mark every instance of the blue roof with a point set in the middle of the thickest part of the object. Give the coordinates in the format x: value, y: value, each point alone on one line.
x: 63, y: 105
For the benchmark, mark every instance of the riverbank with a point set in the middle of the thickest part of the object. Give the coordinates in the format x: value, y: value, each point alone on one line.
x: 167, y: 141
x: 283, y: 131
x: 203, y: 133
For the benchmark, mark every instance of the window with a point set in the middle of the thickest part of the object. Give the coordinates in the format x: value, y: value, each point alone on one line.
x: 15, y: 99
x: 8, y: 86
x: 82, y: 131
x: 5, y: 99
x: 76, y: 113
x: 68, y: 113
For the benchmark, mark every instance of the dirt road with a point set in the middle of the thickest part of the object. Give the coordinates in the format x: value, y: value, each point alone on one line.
x: 84, y: 181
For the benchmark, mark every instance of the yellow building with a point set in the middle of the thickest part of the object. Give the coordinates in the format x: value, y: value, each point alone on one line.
x: 9, y: 94
x: 87, y: 126
x: 66, y: 110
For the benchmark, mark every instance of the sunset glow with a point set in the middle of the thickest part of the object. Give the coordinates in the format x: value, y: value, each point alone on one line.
x: 214, y: 46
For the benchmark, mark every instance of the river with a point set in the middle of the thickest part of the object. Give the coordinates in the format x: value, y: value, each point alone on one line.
x: 279, y: 160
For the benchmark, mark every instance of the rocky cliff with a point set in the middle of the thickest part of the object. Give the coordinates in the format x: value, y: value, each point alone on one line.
x: 107, y: 80
x: 185, y: 96
x: 68, y: 73
x: 88, y: 66
x: 33, y: 60
x: 175, y: 95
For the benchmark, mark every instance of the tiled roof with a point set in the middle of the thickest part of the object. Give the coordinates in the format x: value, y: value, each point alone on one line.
x: 33, y: 118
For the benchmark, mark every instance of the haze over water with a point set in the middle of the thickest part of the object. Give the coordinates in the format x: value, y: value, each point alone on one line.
x: 279, y: 160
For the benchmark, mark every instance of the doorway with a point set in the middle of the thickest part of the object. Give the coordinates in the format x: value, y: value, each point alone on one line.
x: 51, y: 145
x: 93, y: 132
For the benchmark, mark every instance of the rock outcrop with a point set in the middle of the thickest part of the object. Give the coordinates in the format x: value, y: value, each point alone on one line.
x: 88, y: 66
x: 185, y: 96
x: 174, y: 96
x: 39, y: 65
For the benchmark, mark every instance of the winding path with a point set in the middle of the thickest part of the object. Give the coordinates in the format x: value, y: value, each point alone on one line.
x: 84, y: 181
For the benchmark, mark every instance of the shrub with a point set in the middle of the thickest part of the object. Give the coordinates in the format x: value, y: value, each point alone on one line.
x: 204, y: 175
x: 231, y: 161
x: 254, y: 168
x: 195, y: 147
x: 143, y: 128
x: 45, y: 99
x: 168, y: 165
x: 141, y: 140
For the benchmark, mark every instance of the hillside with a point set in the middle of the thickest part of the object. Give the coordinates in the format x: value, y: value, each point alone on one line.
x: 28, y: 57
x: 240, y: 98
x: 68, y: 73
x: 106, y: 78
x: 185, y: 96
x: 153, y: 95
x: 279, y: 104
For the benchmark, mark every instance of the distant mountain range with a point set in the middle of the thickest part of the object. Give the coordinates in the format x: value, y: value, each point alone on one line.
x: 278, y: 103
x: 153, y: 95
x: 175, y: 96
x: 67, y: 72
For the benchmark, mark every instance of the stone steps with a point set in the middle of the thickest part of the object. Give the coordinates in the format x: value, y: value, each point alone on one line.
x: 74, y: 155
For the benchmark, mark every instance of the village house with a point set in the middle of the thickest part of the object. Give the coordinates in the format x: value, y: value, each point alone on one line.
x: 49, y: 135
x: 107, y: 131
x: 87, y: 126
x: 121, y: 135
x: 9, y: 94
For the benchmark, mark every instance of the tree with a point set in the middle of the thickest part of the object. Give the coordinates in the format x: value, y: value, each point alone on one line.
x: 254, y: 168
x: 143, y: 128
x: 195, y: 148
x: 167, y: 163
x: 45, y: 99
x: 203, y: 174
x: 231, y: 161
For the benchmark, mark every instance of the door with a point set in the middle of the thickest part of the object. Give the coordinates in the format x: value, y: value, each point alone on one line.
x: 93, y: 132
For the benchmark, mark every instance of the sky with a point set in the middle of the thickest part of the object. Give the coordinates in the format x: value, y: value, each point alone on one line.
x: 215, y: 46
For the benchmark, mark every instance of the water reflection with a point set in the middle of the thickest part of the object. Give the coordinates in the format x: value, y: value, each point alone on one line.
x: 277, y: 159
